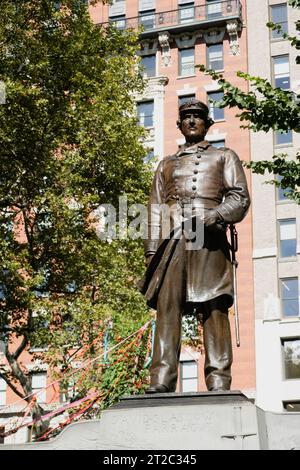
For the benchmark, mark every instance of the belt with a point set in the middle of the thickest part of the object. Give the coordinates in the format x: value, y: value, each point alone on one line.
x: 194, y: 202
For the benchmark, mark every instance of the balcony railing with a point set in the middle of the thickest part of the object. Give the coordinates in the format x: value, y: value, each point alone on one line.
x: 202, y: 15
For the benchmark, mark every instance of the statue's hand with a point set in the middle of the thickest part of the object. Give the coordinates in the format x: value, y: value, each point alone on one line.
x: 210, y: 217
x: 148, y: 260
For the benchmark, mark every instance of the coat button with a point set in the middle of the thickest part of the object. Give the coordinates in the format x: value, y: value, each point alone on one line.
x: 195, y: 172
x: 194, y: 179
x: 194, y: 188
x: 198, y: 156
x: 197, y: 163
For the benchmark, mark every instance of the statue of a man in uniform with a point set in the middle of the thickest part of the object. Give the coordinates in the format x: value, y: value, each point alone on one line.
x: 182, y: 279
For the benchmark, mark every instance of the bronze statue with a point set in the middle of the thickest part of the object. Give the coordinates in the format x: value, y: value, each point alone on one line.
x: 180, y: 280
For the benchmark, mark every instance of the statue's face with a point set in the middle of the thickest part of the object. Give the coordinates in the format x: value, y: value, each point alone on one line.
x: 193, y: 126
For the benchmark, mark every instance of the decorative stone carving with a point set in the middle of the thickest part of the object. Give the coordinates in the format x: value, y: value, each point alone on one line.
x: 164, y: 41
x: 155, y: 87
x: 214, y: 36
x: 149, y: 137
x: 233, y: 29
x: 148, y: 47
x: 185, y: 41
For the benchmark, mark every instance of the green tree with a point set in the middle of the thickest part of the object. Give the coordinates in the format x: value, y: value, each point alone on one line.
x: 69, y: 142
x: 265, y: 108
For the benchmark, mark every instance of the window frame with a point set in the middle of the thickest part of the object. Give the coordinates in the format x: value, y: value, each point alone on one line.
x: 149, y: 158
x: 217, y: 14
x: 213, y: 108
x: 186, y: 6
x: 146, y: 8
x: 180, y: 52
x: 114, y: 20
x: 278, y: 36
x: 208, y: 46
x: 280, y: 223
x: 273, y: 59
x: 284, y: 144
x: 144, y: 14
x: 139, y: 103
x: 41, y: 398
x: 145, y: 75
x: 279, y: 190
x: 281, y: 280
x: 283, y: 340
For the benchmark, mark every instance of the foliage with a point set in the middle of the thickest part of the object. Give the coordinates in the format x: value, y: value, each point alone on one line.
x: 266, y: 108
x: 69, y: 142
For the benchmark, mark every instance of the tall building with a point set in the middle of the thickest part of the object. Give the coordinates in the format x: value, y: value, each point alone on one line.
x: 276, y: 221
x: 176, y: 36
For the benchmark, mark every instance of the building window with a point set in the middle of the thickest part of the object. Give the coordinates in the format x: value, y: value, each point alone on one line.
x: 292, y: 406
x: 3, y: 387
x: 186, y: 62
x: 288, y: 240
x: 38, y: 385
x: 213, y: 9
x: 189, y: 376
x: 217, y: 114
x: 186, y: 12
x: 117, y: 8
x: 283, y: 138
x: 291, y: 356
x: 147, y: 19
x: 215, y: 57
x: 118, y: 21
x: 148, y: 64
x: 218, y: 144
x: 279, y: 16
x: 150, y: 156
x: 289, y: 297
x: 281, y: 72
x: 145, y: 113
x: 183, y: 99
x: 146, y: 5
x: 282, y: 194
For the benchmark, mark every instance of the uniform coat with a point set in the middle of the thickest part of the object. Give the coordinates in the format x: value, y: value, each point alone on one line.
x: 196, y: 176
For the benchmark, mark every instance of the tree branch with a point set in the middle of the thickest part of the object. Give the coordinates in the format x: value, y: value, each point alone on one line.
x: 12, y: 386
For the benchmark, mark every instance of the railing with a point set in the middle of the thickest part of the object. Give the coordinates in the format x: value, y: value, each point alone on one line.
x: 208, y: 12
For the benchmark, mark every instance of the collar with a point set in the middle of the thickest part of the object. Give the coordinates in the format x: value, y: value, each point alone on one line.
x: 204, y: 144
x: 193, y: 148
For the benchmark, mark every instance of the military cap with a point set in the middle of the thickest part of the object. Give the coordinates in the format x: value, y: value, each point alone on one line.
x: 195, y: 105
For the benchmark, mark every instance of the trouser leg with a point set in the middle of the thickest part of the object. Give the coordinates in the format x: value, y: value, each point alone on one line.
x: 218, y: 349
x: 167, y: 341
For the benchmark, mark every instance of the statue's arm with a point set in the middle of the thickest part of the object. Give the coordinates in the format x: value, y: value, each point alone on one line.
x: 237, y: 200
x: 154, y: 213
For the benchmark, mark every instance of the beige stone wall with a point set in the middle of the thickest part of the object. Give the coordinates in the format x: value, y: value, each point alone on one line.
x: 272, y: 389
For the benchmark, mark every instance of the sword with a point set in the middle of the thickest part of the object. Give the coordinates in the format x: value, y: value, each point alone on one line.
x: 234, y: 248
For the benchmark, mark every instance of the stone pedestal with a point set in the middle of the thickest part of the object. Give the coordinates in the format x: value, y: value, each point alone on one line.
x: 187, y: 421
